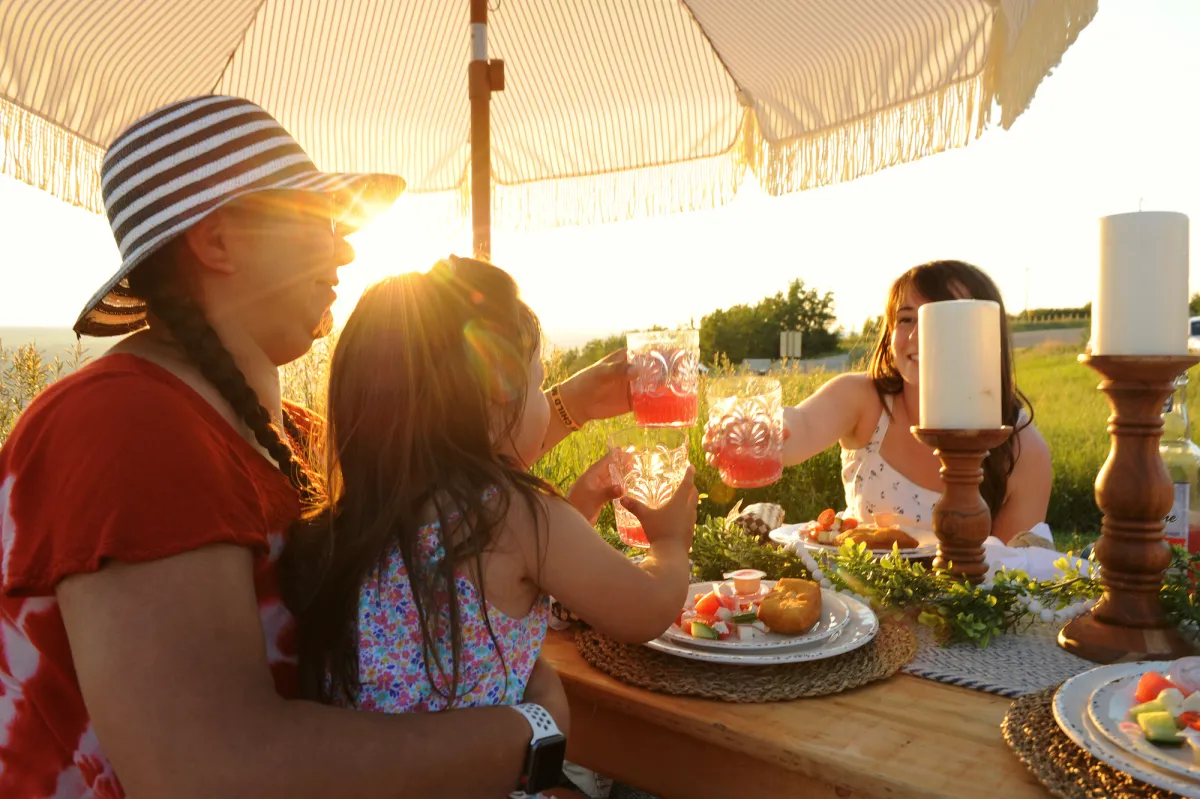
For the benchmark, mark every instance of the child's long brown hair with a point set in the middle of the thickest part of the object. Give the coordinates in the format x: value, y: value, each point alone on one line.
x: 417, y: 377
x: 938, y: 281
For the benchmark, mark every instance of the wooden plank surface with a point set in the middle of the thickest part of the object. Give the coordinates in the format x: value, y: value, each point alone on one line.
x: 901, y: 738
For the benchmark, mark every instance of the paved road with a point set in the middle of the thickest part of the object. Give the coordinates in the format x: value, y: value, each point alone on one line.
x: 1026, y: 338
x: 834, y: 363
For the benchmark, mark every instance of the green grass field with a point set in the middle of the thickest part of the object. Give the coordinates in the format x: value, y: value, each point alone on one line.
x: 1068, y: 410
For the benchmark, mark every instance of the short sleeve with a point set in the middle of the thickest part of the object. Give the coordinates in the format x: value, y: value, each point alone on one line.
x: 122, y: 466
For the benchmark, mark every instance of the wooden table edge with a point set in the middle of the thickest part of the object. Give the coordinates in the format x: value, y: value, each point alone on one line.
x: 843, y: 775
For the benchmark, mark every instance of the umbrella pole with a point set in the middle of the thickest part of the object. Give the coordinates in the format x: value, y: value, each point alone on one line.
x: 483, y: 78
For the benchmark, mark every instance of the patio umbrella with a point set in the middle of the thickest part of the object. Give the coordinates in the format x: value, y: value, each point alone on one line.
x: 610, y: 108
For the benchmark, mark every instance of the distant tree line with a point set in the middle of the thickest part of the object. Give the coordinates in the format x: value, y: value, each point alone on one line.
x: 1053, y: 314
x: 743, y: 331
x: 576, y: 358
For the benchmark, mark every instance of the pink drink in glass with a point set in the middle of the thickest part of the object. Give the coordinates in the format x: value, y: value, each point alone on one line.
x: 648, y: 464
x: 745, y: 427
x: 741, y: 469
x: 631, y: 534
x: 666, y: 391
x: 665, y: 409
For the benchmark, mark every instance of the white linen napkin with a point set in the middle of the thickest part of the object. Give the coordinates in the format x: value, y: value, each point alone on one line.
x: 1037, y: 562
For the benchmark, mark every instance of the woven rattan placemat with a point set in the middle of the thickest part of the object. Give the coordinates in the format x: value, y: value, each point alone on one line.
x: 1059, y: 763
x: 893, y: 646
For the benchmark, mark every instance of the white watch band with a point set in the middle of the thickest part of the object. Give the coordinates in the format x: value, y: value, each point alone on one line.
x: 539, y: 719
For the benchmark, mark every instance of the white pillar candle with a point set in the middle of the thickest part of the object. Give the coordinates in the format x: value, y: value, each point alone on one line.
x: 1141, y: 304
x: 960, y: 364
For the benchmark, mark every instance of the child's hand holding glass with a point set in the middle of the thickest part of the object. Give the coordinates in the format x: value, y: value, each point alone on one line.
x: 594, y: 489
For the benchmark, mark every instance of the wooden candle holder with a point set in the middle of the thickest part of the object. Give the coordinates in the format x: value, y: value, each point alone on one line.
x: 1135, y: 493
x: 961, y: 519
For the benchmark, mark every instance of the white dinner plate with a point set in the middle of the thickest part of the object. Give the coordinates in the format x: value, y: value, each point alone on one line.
x: 861, y: 628
x: 834, y: 616
x: 790, y: 534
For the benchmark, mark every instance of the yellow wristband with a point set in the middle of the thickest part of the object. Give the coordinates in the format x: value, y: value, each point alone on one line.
x: 557, y: 400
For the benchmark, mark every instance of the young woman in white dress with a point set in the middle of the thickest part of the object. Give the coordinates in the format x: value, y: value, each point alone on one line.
x: 885, y: 470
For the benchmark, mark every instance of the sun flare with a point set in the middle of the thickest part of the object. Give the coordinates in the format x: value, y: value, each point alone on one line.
x: 407, y: 237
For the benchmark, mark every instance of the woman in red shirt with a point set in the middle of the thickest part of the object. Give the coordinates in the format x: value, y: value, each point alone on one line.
x: 143, y: 501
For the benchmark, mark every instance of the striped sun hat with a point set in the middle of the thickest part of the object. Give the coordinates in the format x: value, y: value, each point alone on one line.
x: 170, y: 169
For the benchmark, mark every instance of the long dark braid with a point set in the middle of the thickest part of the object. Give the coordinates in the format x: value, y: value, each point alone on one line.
x: 157, y: 283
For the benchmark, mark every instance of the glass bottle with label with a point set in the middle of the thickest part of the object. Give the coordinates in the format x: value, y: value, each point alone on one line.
x: 1182, y: 458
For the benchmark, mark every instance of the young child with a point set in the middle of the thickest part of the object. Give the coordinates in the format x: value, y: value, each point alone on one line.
x: 437, y: 549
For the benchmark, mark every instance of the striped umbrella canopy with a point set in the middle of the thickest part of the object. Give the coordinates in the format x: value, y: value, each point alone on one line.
x: 609, y: 109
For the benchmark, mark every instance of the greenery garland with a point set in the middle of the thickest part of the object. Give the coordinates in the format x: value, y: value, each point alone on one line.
x: 958, y: 611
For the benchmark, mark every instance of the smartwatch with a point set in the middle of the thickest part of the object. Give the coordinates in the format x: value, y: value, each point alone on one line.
x: 544, y: 760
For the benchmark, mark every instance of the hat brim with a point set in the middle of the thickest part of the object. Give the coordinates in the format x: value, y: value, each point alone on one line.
x: 114, y: 311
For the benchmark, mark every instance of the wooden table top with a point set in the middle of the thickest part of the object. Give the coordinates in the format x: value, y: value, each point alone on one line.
x: 901, y: 738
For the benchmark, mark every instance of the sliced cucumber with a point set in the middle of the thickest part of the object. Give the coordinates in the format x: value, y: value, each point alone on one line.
x: 1160, y: 728
x: 1153, y: 706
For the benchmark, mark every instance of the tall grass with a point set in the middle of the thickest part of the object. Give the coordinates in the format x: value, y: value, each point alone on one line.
x: 24, y: 372
x: 1069, y: 411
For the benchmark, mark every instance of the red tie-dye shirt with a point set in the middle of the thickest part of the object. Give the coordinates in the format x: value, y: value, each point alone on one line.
x: 119, y: 462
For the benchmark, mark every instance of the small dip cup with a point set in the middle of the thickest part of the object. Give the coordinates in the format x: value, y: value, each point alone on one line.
x: 746, y: 581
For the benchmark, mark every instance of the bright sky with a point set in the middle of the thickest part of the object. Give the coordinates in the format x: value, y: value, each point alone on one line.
x: 1116, y: 127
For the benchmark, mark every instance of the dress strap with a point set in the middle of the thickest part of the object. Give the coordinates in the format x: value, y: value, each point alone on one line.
x: 881, y: 428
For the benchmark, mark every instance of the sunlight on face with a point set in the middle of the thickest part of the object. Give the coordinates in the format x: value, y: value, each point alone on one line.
x: 906, y: 348
x: 535, y: 416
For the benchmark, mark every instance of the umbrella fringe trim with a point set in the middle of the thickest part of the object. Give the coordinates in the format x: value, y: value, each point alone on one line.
x: 940, y: 121
x: 946, y: 119
x: 1027, y: 45
x: 47, y: 157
